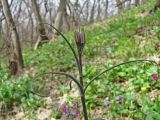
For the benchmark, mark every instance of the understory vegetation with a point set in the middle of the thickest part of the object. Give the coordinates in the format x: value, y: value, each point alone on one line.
x: 131, y: 91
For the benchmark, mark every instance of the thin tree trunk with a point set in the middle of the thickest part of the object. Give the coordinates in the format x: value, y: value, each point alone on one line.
x: 76, y: 14
x: 137, y: 2
x: 30, y: 21
x: 129, y: 4
x: 58, y: 21
x: 60, y: 14
x: 119, y: 5
x: 99, y: 10
x: 40, y: 26
x: 106, y: 9
x: 92, y: 12
x: 87, y: 11
x: 66, y: 21
x: 14, y: 34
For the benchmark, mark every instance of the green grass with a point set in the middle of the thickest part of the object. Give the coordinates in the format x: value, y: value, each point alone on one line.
x: 107, y: 43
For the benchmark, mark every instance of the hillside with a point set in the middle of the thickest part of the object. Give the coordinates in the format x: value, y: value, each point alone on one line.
x: 128, y: 92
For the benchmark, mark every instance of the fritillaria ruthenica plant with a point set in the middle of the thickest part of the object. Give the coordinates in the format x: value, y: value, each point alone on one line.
x: 80, y: 40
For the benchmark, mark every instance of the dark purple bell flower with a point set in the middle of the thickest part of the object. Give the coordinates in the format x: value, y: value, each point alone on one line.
x: 80, y: 41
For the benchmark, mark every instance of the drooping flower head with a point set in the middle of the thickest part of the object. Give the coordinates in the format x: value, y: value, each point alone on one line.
x: 80, y: 41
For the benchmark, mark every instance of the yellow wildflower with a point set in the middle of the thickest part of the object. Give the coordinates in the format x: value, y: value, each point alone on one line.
x: 93, y: 71
x: 143, y: 89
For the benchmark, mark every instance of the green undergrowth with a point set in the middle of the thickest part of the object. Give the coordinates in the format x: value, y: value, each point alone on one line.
x: 126, y: 36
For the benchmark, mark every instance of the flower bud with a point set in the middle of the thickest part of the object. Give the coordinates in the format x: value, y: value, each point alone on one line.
x: 80, y: 41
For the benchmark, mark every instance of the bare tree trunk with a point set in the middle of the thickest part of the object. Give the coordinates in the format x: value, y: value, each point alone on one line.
x: 1, y: 17
x: 119, y: 5
x: 85, y: 15
x: 46, y: 8
x: 40, y: 26
x: 129, y: 4
x: 30, y: 21
x: 14, y: 35
x: 106, y: 9
x: 99, y: 10
x: 77, y: 14
x: 66, y: 22
x: 137, y: 2
x: 59, y: 20
x: 87, y: 11
x: 92, y: 12
x: 60, y: 14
